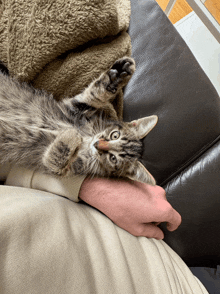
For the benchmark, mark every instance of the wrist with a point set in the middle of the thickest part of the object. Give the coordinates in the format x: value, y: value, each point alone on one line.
x: 91, y: 190
x: 101, y: 192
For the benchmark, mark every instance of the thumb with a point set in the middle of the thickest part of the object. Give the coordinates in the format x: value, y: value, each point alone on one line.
x: 152, y: 231
x: 174, y: 222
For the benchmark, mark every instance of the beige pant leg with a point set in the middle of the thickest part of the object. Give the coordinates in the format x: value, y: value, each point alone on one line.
x: 51, y: 245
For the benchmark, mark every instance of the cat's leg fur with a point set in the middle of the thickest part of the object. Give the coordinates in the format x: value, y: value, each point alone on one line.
x: 62, y: 152
x: 103, y: 90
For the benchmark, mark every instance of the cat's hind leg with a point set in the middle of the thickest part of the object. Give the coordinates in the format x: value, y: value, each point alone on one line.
x: 104, y: 89
x: 62, y: 152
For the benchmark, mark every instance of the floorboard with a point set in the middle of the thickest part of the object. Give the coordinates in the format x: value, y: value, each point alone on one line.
x: 182, y: 8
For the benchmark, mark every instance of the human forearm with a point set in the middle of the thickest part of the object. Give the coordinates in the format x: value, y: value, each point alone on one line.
x: 133, y: 206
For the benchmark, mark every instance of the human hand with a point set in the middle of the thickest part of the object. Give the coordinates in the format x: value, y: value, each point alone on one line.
x: 136, y: 207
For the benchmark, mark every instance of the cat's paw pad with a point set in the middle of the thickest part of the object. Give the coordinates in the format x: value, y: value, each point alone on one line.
x: 120, y: 73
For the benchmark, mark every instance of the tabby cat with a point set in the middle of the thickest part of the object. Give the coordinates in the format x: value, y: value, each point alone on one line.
x: 79, y: 135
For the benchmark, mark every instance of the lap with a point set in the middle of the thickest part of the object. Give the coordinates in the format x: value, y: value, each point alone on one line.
x: 50, y: 244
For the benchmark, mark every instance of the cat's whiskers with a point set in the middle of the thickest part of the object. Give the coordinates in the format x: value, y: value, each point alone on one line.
x: 122, y: 170
x: 95, y: 169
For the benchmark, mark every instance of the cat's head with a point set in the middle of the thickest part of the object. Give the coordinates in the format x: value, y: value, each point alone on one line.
x: 115, y: 152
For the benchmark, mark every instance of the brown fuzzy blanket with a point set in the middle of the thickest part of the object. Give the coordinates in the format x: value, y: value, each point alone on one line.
x: 61, y: 46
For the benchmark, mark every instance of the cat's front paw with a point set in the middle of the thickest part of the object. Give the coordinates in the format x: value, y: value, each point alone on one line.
x: 62, y: 152
x: 120, y: 73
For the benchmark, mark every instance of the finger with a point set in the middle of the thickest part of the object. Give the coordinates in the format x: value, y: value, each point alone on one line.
x: 175, y: 221
x: 151, y: 231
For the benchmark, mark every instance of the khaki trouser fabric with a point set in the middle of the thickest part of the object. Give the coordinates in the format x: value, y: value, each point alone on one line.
x: 52, y: 245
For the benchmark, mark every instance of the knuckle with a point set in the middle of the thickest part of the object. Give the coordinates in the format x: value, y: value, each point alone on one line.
x: 165, y: 207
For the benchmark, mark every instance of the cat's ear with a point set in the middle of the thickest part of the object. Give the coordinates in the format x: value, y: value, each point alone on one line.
x: 141, y: 174
x: 144, y: 125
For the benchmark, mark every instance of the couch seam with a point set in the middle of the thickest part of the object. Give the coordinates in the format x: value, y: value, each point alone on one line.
x: 190, y: 160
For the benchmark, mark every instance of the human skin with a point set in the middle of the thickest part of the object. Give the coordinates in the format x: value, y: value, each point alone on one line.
x: 136, y: 207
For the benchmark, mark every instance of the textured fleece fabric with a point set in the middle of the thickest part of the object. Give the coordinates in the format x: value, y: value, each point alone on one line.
x: 61, y: 46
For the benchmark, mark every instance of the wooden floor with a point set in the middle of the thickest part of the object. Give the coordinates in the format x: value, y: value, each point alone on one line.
x: 182, y: 8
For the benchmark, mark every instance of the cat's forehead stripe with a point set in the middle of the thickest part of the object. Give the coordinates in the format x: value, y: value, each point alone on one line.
x: 117, y: 124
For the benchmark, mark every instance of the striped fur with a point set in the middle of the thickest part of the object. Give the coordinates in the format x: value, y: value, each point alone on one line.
x: 61, y: 137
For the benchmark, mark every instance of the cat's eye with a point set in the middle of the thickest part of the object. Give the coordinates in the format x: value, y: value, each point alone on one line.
x: 113, y: 158
x: 115, y: 135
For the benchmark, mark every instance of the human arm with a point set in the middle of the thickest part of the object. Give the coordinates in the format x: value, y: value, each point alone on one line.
x: 136, y: 207
x: 133, y: 206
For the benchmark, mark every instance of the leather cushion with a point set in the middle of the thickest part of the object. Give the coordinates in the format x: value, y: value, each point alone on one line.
x: 170, y: 83
x: 195, y: 194
x: 182, y: 151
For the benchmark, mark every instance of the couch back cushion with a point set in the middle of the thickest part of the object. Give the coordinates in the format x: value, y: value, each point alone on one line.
x: 170, y: 83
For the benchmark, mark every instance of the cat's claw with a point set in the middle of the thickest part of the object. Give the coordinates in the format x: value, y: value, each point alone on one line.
x: 120, y: 73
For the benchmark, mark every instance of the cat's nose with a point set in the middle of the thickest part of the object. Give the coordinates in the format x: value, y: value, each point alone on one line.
x: 102, y: 145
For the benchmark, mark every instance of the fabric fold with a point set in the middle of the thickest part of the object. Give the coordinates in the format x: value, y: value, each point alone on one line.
x: 41, y: 41
x: 67, y: 186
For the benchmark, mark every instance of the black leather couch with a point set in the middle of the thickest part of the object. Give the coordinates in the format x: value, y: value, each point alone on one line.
x: 183, y: 151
